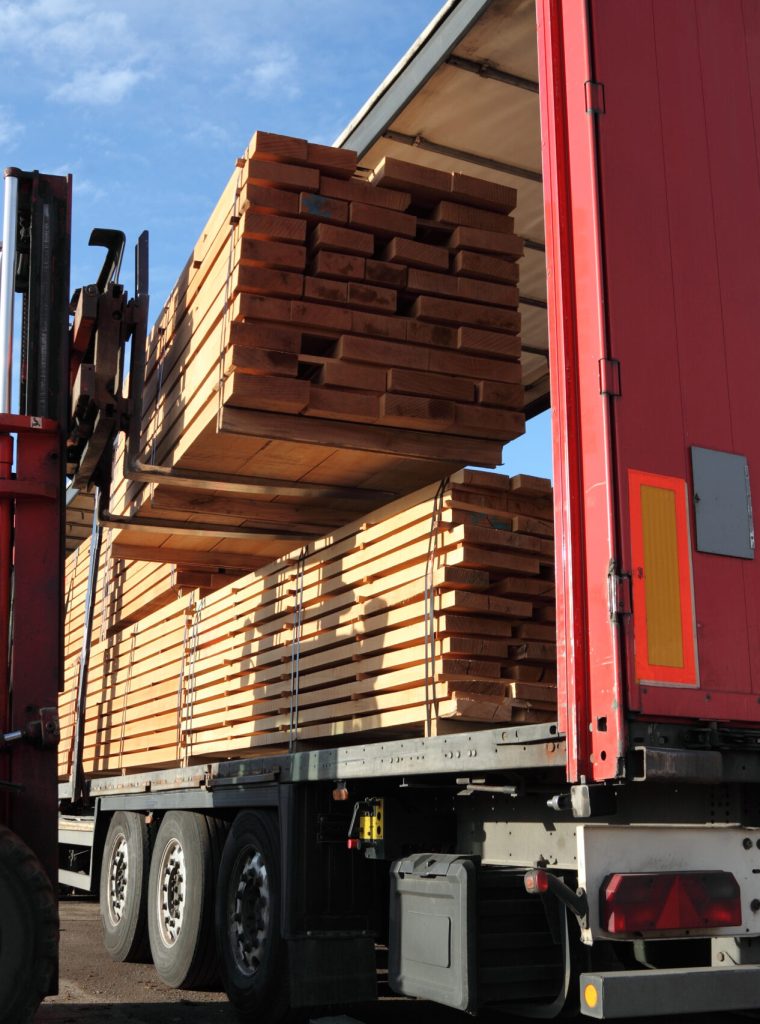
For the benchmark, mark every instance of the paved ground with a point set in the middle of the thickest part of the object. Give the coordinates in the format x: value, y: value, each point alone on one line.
x: 93, y: 990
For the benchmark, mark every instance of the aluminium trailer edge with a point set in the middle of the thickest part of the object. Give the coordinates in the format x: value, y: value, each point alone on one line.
x: 228, y: 783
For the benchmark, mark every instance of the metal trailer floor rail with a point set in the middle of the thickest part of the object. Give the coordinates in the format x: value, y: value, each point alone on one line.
x: 228, y: 783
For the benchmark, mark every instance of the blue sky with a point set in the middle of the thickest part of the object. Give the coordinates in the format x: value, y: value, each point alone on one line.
x: 148, y: 103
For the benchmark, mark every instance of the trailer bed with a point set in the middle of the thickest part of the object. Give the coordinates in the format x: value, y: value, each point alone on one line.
x: 226, y: 783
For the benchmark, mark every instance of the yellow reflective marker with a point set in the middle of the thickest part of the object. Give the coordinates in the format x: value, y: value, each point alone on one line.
x: 590, y: 996
x: 664, y: 628
x: 661, y: 580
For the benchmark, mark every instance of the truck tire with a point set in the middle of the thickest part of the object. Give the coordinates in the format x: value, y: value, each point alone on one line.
x: 248, y: 919
x: 181, y: 893
x: 28, y: 931
x: 124, y: 888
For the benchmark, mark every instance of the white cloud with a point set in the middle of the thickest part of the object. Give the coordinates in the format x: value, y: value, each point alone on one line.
x: 86, y: 52
x: 59, y: 36
x: 84, y: 188
x: 14, y: 22
x: 208, y: 133
x: 10, y: 130
x: 59, y: 29
x: 98, y: 87
x: 82, y: 35
x: 271, y: 70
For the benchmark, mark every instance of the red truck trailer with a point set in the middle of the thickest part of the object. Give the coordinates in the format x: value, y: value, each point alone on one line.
x: 609, y: 858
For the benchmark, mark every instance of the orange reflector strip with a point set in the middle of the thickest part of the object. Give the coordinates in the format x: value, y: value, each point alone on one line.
x: 664, y: 631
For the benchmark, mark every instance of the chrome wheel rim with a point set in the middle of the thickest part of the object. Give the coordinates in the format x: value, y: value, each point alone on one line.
x: 118, y: 878
x: 249, y: 910
x: 171, y: 892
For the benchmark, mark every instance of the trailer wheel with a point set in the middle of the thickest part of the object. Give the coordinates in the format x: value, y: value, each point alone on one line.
x: 124, y: 888
x: 251, y: 950
x: 28, y: 931
x: 181, y: 899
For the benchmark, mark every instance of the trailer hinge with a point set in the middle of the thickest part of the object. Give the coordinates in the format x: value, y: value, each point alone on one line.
x: 594, y: 97
x: 749, y: 508
x: 609, y: 377
x: 619, y: 589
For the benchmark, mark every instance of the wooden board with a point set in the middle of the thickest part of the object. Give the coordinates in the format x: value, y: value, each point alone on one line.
x: 414, y: 616
x: 314, y: 336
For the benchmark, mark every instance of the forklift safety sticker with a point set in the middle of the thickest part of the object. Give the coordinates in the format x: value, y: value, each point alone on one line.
x: 664, y: 630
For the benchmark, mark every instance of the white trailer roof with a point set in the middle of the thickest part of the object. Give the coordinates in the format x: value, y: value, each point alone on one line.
x: 465, y: 97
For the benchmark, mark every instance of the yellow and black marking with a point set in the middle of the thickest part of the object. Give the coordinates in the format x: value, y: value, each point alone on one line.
x: 371, y: 821
x: 367, y: 826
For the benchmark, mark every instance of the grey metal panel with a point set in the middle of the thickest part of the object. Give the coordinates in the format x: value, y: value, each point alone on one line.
x: 708, y: 767
x: 74, y: 880
x: 493, y: 835
x: 193, y: 799
x: 77, y: 831
x: 521, y: 747
x: 733, y: 949
x: 475, y: 110
x: 493, y: 749
x: 670, y: 764
x: 76, y: 836
x: 722, y: 503
x: 409, y: 77
x: 176, y: 778
x: 665, y: 993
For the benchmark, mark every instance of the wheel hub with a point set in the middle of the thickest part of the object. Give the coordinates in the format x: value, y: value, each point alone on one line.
x: 250, y: 911
x: 171, y: 895
x: 118, y: 878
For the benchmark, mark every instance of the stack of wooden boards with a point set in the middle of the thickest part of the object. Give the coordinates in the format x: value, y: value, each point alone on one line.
x: 125, y: 592
x: 333, y: 330
x: 438, y: 608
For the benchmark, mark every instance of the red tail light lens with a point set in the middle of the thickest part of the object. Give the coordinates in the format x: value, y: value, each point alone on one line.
x: 677, y: 901
x: 536, y: 881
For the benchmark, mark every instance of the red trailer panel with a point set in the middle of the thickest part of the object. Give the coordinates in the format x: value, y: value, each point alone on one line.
x: 679, y: 151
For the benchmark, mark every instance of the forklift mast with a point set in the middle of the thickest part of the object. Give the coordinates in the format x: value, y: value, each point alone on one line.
x: 35, y: 265
x: 61, y: 422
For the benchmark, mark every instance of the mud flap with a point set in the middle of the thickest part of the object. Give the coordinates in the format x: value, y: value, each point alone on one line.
x: 431, y: 951
x: 331, y: 969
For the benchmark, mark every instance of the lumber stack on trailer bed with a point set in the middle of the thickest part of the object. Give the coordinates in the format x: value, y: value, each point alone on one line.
x: 437, y: 609
x: 125, y: 592
x: 334, y: 331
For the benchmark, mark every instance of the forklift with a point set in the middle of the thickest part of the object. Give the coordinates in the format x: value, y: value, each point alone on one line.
x: 57, y: 423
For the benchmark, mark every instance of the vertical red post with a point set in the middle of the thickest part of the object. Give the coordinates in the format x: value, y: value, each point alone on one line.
x: 37, y: 654
x: 6, y: 524
x: 6, y: 558
x: 589, y: 675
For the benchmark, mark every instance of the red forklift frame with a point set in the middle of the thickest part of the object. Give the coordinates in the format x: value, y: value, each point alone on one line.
x: 36, y: 245
x: 29, y: 527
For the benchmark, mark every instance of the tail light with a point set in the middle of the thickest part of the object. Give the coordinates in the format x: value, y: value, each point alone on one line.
x: 536, y: 881
x: 675, y: 901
